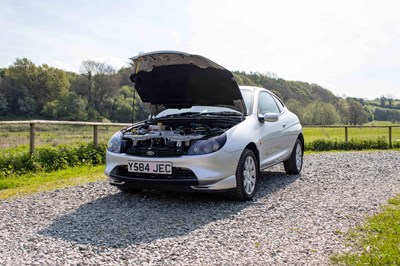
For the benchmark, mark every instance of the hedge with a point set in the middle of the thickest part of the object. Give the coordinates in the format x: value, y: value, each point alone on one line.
x: 51, y: 158
x: 353, y: 144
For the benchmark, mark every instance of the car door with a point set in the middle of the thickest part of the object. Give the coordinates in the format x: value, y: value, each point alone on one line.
x: 286, y: 119
x: 272, y: 141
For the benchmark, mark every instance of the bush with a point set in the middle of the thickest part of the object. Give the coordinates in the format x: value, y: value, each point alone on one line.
x: 51, y: 158
x: 352, y: 144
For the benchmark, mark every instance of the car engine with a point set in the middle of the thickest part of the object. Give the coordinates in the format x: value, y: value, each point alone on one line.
x: 168, y: 139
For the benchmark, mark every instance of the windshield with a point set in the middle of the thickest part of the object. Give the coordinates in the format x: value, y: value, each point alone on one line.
x: 198, y: 109
x: 246, y: 94
x: 195, y: 110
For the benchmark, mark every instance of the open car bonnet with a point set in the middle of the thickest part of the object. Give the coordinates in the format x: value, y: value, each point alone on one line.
x: 169, y: 79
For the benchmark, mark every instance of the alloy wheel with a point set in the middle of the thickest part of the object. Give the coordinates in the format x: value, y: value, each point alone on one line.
x: 249, y: 175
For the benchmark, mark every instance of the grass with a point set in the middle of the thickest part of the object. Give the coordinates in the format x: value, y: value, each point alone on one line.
x: 12, y: 136
x: 14, y: 186
x: 311, y: 134
x: 378, y: 241
x: 16, y: 135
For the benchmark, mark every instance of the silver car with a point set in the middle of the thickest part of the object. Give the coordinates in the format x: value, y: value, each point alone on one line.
x: 205, y: 133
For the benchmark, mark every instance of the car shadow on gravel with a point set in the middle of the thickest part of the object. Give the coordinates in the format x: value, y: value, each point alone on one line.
x: 120, y: 220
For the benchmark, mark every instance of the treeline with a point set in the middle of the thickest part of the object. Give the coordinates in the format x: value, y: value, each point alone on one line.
x: 387, y: 115
x: 97, y: 93
x: 313, y: 104
x: 101, y: 93
x: 318, y: 106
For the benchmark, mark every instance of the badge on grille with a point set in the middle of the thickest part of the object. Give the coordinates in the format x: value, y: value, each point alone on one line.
x: 149, y: 153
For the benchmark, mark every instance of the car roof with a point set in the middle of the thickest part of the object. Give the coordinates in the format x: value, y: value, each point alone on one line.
x: 254, y: 89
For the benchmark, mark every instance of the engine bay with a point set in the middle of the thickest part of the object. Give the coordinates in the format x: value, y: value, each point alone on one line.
x: 170, y: 138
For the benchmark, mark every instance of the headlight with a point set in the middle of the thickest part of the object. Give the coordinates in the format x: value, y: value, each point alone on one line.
x: 114, y: 144
x: 207, y: 146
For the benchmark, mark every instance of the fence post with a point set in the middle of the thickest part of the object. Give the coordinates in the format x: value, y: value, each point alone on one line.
x: 31, y: 137
x: 346, y: 134
x: 390, y: 137
x: 95, y: 136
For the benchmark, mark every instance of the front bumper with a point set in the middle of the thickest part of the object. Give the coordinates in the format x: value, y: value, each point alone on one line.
x: 214, y: 171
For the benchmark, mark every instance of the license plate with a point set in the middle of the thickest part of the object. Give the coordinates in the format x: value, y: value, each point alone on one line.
x: 164, y: 168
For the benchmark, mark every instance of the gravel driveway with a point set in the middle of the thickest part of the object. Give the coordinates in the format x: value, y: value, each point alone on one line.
x: 293, y: 219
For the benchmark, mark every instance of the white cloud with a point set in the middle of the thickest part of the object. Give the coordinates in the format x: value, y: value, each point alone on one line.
x: 314, y: 41
x: 350, y: 45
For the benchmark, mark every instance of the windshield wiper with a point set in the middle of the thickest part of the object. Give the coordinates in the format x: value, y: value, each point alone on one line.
x: 182, y: 114
x: 224, y: 113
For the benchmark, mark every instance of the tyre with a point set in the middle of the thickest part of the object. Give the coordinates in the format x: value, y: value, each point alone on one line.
x: 126, y: 189
x: 246, y: 176
x: 294, y: 164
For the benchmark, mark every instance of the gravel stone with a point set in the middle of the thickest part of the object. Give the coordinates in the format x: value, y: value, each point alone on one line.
x: 295, y: 220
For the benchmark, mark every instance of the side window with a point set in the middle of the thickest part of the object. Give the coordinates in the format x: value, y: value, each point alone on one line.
x: 266, y: 104
x: 279, y: 103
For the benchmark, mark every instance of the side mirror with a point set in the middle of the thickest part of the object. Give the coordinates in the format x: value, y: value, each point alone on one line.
x: 268, y: 117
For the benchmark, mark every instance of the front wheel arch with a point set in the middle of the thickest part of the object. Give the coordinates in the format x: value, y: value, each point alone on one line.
x: 251, y: 146
x: 247, y: 175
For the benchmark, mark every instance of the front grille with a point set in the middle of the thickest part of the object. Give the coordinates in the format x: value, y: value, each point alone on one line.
x: 177, y: 173
x: 158, y: 152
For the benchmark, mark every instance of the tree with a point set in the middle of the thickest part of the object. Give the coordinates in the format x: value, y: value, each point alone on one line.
x: 122, y: 109
x: 296, y: 107
x: 319, y: 113
x: 387, y: 115
x: 70, y: 107
x: 28, y: 87
x: 369, y: 114
x: 390, y: 101
x: 16, y: 86
x: 88, y: 69
x: 343, y: 109
x: 383, y: 101
x: 50, y: 84
x: 123, y: 76
x: 3, y: 104
x: 99, y: 86
x: 357, y: 115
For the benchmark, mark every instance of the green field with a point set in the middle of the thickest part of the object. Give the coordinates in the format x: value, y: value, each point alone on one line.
x: 12, y: 136
x: 311, y: 134
x: 16, y: 135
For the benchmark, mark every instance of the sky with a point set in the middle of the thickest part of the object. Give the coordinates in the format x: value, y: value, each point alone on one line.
x: 349, y: 47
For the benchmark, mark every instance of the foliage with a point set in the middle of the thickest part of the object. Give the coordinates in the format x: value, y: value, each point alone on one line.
x: 357, y: 114
x: 352, y: 144
x: 296, y: 107
x: 28, y: 87
x: 50, y: 158
x: 70, y: 107
x: 300, y: 91
x: 122, y: 106
x: 320, y: 113
x: 313, y: 104
x: 377, y: 241
x: 387, y: 115
x: 98, y: 92
x: 3, y: 104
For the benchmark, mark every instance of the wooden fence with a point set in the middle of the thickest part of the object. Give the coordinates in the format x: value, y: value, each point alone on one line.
x: 32, y: 124
x: 96, y: 125
x: 346, y: 130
